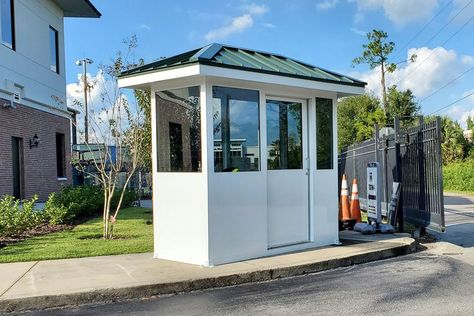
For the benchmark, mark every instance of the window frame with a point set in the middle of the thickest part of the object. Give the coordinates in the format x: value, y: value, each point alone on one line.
x: 56, y: 49
x: 11, y: 45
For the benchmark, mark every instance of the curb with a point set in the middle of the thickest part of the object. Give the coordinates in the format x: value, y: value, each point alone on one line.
x: 142, y: 291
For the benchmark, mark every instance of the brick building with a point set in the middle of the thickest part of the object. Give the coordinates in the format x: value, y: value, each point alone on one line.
x: 34, y: 120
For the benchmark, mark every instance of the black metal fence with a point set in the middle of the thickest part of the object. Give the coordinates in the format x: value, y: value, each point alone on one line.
x: 411, y: 156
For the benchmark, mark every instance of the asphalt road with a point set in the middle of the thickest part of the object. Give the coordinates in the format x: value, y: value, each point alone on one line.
x: 459, y: 217
x: 420, y: 283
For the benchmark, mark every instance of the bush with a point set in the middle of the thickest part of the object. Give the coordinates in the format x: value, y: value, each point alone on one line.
x: 55, y: 212
x: 81, y: 201
x: 459, y: 176
x: 16, y: 218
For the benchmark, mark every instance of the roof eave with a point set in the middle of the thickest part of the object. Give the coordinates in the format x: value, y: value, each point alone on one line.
x: 78, y: 9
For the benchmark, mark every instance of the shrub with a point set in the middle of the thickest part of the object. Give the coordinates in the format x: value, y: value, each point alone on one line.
x: 81, y: 201
x: 16, y: 217
x: 55, y: 212
x: 459, y: 176
x: 129, y: 197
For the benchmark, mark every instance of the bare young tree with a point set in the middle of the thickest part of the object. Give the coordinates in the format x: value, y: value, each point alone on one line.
x: 115, y: 146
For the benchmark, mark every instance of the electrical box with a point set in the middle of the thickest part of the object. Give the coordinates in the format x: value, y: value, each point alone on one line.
x: 374, y: 193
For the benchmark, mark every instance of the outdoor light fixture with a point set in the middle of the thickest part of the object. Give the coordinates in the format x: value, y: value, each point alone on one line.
x: 34, y: 142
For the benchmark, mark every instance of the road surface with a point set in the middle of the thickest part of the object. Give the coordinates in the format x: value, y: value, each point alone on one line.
x: 423, y: 283
x: 459, y: 216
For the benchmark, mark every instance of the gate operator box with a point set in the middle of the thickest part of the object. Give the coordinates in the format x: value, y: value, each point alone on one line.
x: 374, y: 192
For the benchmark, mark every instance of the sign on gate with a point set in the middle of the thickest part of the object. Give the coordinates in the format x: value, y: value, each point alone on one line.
x: 374, y: 183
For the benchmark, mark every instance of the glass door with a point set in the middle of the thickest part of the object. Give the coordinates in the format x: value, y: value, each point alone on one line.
x: 287, y: 176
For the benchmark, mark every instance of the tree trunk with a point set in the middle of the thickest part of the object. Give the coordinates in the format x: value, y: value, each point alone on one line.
x: 384, y: 91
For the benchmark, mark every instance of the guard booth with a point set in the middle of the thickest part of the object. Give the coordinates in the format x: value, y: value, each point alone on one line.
x: 244, y: 153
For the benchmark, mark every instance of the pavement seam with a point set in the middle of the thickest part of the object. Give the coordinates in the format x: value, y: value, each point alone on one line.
x: 19, y: 278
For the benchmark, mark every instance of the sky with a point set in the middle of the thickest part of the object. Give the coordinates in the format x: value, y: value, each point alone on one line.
x: 324, y: 33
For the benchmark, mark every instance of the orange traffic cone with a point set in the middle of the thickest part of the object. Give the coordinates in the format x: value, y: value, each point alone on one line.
x: 346, y: 213
x: 355, y: 206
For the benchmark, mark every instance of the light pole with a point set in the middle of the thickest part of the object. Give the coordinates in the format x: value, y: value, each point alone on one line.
x: 83, y: 62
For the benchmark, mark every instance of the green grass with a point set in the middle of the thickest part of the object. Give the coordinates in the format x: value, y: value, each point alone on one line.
x: 132, y: 234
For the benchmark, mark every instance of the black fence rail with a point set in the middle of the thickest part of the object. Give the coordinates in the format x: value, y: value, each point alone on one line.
x: 411, y: 156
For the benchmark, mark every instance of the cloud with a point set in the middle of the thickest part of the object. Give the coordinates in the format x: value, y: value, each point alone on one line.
x: 358, y: 32
x: 255, y: 9
x: 102, y: 95
x: 237, y: 24
x: 269, y: 25
x: 460, y: 112
x: 432, y: 69
x: 398, y: 11
x: 144, y: 27
x: 326, y: 4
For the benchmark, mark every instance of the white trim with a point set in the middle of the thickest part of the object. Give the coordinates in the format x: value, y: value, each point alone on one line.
x: 146, y: 79
x: 62, y: 179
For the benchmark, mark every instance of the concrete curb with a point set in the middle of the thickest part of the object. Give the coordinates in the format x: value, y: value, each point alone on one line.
x: 142, y: 291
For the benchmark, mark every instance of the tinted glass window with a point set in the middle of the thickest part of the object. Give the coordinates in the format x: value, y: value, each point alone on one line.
x: 236, y: 129
x: 284, y: 136
x: 53, y: 46
x: 324, y: 133
x: 60, y: 155
x: 7, y: 23
x: 178, y: 114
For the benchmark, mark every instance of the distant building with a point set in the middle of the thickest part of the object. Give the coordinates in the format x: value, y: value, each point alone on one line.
x: 34, y: 119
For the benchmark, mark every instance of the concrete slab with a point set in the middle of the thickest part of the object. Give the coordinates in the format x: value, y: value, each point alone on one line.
x: 10, y: 273
x: 74, y: 281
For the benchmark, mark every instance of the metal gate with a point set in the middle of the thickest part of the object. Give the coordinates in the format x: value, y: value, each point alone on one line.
x: 411, y: 156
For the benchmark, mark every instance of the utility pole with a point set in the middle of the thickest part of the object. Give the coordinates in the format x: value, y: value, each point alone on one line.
x: 83, y: 62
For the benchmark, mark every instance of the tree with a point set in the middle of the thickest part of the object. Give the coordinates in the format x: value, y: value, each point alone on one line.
x: 470, y: 125
x: 376, y: 54
x: 453, y: 145
x: 118, y: 138
x: 356, y: 117
x: 401, y: 104
x: 143, y: 98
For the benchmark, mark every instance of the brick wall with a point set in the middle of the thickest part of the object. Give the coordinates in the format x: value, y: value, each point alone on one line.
x: 40, y: 170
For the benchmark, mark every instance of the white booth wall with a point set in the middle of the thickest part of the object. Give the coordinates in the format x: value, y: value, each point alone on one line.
x: 211, y: 218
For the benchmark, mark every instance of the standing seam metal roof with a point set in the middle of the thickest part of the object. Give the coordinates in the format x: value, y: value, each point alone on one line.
x: 249, y: 60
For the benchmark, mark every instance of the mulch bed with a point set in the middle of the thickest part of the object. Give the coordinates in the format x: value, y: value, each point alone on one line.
x: 37, y: 231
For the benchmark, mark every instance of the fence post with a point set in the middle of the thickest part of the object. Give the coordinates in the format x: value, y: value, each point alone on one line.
x: 376, y: 137
x: 439, y: 156
x: 398, y: 159
x: 421, y: 166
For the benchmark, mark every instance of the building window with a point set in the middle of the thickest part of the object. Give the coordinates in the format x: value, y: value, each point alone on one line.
x: 61, y: 155
x: 284, y: 138
x: 54, y: 49
x: 7, y: 19
x: 178, y: 115
x: 236, y: 129
x: 324, y: 133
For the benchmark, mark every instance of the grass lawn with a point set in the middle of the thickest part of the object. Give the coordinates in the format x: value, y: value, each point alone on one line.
x: 132, y: 234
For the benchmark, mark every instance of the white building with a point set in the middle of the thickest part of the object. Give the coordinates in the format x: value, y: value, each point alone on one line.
x: 245, y: 155
x: 34, y: 121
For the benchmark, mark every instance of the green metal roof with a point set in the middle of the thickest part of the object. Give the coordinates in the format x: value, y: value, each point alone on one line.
x: 219, y: 55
